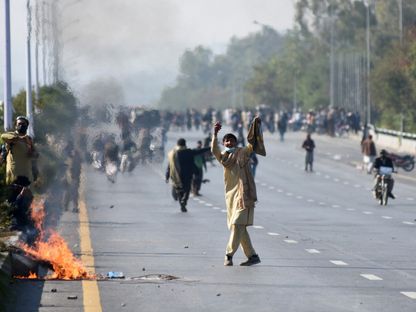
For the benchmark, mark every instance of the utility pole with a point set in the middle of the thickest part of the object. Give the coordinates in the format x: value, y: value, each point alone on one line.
x: 7, y: 104
x: 29, y: 103
x: 332, y: 65
x: 37, y: 27
x: 401, y: 21
x: 368, y: 63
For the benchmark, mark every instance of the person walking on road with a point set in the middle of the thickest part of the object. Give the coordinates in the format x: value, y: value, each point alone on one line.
x: 369, y: 151
x: 200, y: 165
x: 180, y: 169
x: 240, y: 190
x: 309, y: 146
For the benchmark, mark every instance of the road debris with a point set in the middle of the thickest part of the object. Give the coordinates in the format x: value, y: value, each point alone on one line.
x: 115, y: 275
x: 72, y: 297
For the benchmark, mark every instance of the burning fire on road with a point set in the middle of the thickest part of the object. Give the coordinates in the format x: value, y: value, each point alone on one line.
x: 50, y: 248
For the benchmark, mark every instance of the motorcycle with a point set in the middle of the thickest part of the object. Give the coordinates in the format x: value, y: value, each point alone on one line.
x: 381, y: 190
x: 407, y: 162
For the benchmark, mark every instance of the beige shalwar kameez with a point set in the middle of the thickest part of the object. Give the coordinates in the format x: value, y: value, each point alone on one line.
x: 240, y: 195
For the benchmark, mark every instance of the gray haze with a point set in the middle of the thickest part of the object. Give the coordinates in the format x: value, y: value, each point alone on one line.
x: 138, y: 42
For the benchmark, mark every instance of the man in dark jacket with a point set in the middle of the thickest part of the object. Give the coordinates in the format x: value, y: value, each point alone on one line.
x: 180, y: 169
x: 368, y: 149
x: 384, y: 165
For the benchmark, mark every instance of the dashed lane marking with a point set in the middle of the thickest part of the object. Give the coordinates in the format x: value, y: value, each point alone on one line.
x: 346, y: 183
x: 338, y: 262
x: 310, y: 200
x: 357, y: 185
x: 263, y: 184
x: 223, y: 210
x: 289, y: 194
x: 273, y: 234
x: 299, y: 197
x: 280, y: 191
x: 350, y: 209
x: 216, y: 208
x: 336, y: 206
x: 410, y: 198
x: 313, y: 251
x: 322, y: 203
x: 336, y: 180
x: 290, y: 241
x: 201, y: 202
x: 408, y: 223
x: 208, y: 205
x: 367, y: 212
x: 258, y: 227
x: 410, y: 294
x: 372, y: 277
x: 271, y: 187
x: 386, y: 217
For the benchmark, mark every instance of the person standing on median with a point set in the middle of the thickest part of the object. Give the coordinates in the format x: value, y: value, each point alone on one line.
x: 240, y: 188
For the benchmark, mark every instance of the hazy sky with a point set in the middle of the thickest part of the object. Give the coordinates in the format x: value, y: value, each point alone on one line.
x: 138, y: 42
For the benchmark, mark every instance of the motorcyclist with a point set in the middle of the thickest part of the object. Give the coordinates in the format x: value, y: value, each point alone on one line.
x: 384, y: 165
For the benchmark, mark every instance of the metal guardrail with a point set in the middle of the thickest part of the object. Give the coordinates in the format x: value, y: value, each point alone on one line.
x: 398, y: 134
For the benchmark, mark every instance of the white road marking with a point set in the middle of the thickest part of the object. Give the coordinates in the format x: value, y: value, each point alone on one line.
x: 408, y: 223
x: 336, y: 206
x: 280, y: 191
x: 410, y: 198
x: 351, y: 209
x: 322, y: 203
x: 311, y: 200
x: 357, y: 185
x: 386, y: 217
x: 318, y: 173
x: 290, y: 241
x: 336, y: 180
x: 299, y: 197
x: 223, y: 210
x: 263, y: 184
x: 289, y: 194
x: 371, y: 277
x: 208, y: 205
x: 410, y: 294
x: 367, y: 212
x: 273, y: 234
x: 216, y: 208
x: 201, y: 202
x: 338, y: 262
x: 258, y: 227
x: 271, y: 187
x: 346, y: 183
x: 327, y: 177
x: 257, y: 181
x: 313, y: 251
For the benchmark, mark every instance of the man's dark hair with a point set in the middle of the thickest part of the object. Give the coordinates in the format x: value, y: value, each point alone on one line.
x: 229, y: 136
x: 22, y: 118
x: 181, y: 142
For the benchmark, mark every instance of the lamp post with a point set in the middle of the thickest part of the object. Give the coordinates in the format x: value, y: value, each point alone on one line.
x: 7, y: 108
x: 367, y: 4
x: 29, y: 102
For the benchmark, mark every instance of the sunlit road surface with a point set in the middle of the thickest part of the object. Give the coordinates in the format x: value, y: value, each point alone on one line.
x: 324, y: 242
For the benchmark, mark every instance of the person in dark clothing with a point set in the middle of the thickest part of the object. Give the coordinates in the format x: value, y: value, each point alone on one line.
x: 180, y: 169
x: 384, y: 165
x: 200, y: 165
x: 309, y: 146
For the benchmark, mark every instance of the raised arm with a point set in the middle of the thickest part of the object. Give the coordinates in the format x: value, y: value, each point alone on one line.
x: 214, y: 143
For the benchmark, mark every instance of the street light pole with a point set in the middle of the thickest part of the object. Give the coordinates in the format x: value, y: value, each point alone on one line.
x: 401, y: 21
x: 7, y: 105
x: 29, y: 103
x: 368, y: 63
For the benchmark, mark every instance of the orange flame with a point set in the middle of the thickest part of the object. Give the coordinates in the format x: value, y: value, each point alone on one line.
x: 54, y: 249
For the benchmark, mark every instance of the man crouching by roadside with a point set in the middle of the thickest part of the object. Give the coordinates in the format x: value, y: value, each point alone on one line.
x: 240, y: 189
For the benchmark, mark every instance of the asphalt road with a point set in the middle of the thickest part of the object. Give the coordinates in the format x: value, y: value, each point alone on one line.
x: 324, y: 242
